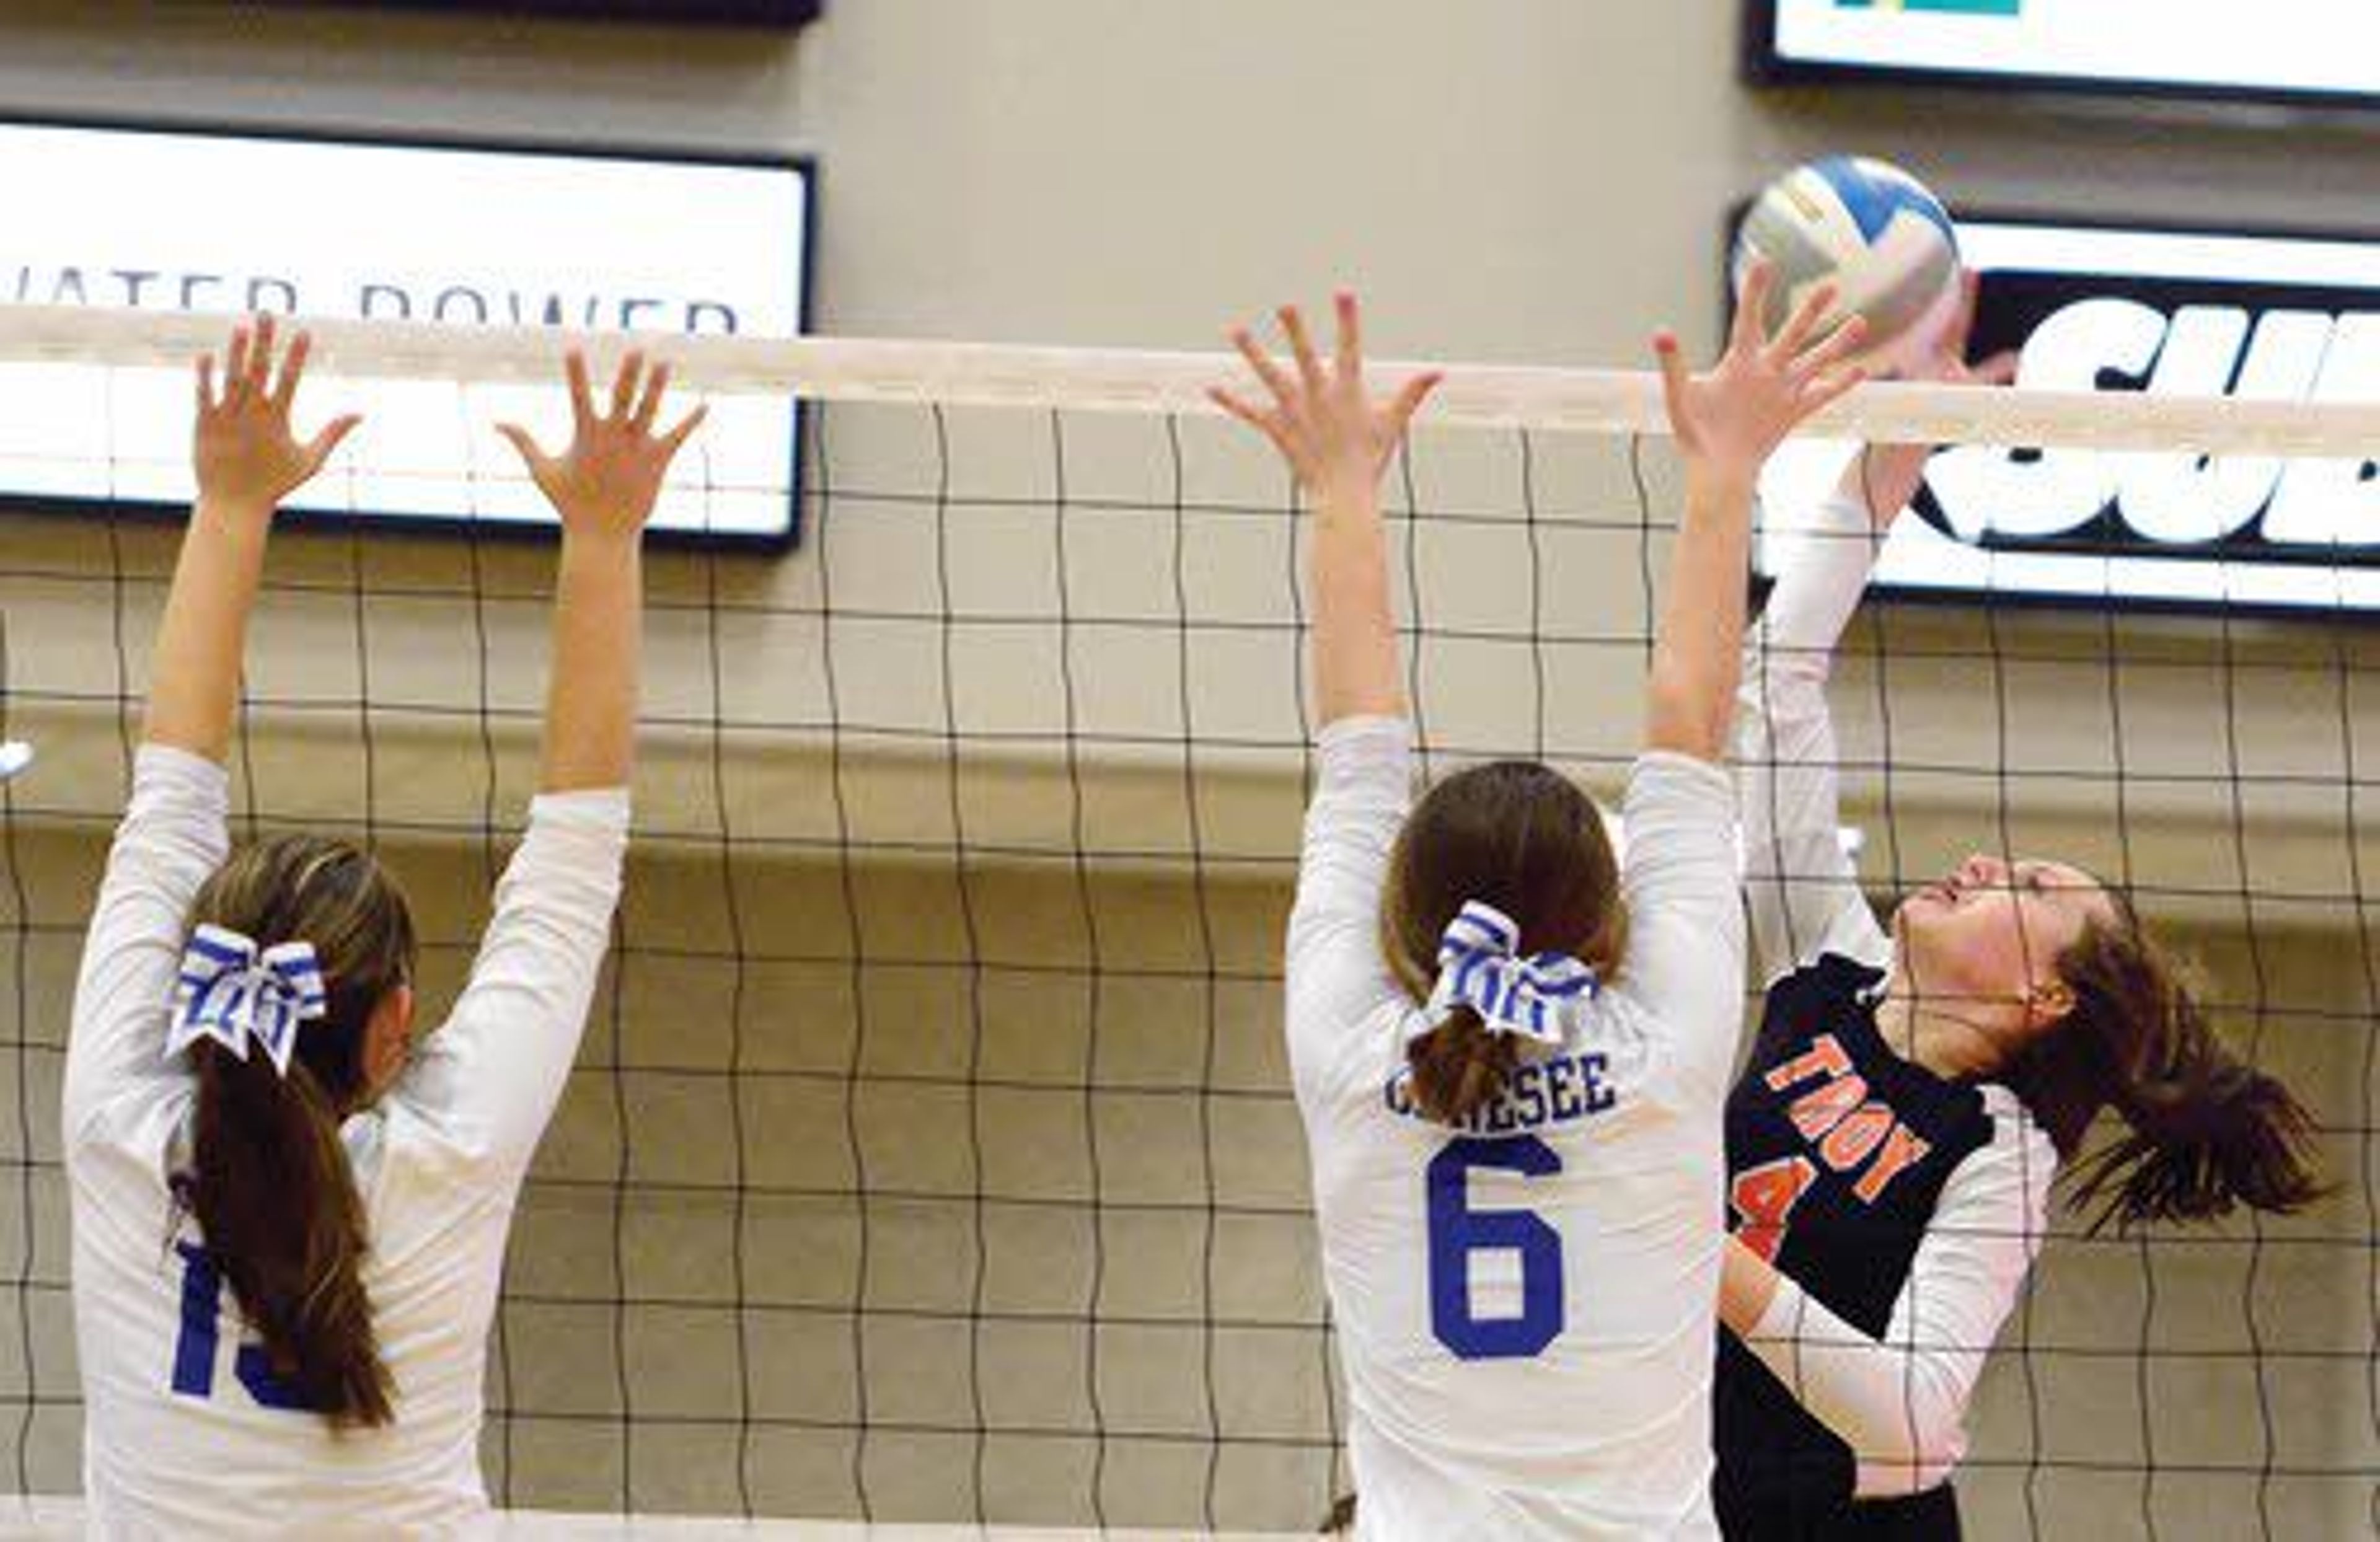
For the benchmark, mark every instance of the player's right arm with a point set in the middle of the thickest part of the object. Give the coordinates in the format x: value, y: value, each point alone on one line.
x: 1803, y: 893
x: 172, y: 839
x: 1337, y: 441
x: 492, y: 1075
x: 1899, y: 1401
x: 1684, y: 918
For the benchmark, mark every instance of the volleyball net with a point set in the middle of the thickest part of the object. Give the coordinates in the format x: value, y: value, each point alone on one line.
x: 930, y: 1156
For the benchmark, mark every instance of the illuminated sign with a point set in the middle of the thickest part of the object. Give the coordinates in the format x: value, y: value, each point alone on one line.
x: 2254, y: 317
x: 462, y: 236
x: 2284, y: 50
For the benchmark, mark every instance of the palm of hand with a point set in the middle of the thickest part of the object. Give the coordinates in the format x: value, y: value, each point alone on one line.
x: 242, y: 447
x: 1340, y: 439
x: 1322, y: 419
x: 1742, y: 409
x: 608, y: 469
x: 610, y: 478
x: 244, y: 451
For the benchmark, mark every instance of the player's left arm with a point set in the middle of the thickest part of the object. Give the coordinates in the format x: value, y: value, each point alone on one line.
x: 173, y: 837
x: 1899, y: 1401
x: 1727, y: 421
x: 248, y: 460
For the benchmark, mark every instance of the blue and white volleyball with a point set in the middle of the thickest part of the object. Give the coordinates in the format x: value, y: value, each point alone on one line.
x: 1872, y: 230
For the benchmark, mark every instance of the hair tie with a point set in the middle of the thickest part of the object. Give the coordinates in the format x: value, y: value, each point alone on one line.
x: 1479, y: 968
x: 230, y: 992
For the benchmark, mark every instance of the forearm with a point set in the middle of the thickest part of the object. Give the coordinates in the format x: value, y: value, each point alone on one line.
x: 194, y: 681
x: 1899, y: 1404
x: 591, y: 712
x: 1747, y: 1284
x: 1883, y: 479
x: 1356, y: 671
x: 1804, y: 894
x: 1691, y: 693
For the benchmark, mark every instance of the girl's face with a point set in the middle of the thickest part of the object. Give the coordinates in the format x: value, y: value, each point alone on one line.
x: 1984, y: 939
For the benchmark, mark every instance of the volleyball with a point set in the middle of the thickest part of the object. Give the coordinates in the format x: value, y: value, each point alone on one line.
x: 1870, y: 228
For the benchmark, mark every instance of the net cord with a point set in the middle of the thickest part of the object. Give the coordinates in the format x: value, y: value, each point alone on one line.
x: 1104, y: 379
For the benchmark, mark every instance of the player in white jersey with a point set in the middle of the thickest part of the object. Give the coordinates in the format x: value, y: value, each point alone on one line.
x: 289, y: 1211
x: 1509, y: 1053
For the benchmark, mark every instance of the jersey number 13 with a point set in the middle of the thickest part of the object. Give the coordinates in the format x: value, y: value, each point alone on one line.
x: 194, y: 1347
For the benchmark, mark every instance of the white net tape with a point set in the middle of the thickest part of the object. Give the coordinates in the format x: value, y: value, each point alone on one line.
x: 968, y: 374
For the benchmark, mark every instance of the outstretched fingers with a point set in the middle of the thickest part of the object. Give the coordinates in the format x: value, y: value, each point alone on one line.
x: 624, y: 384
x: 1408, y: 400
x: 260, y: 359
x: 1674, y: 379
x: 236, y: 368
x: 1301, y: 347
x: 523, y: 442
x: 1796, y: 334
x: 1284, y: 391
x: 292, y: 370
x: 582, y: 392
x: 1348, y: 360
x: 1848, y: 336
x: 675, y: 439
x: 322, y: 446
x: 1247, y: 412
x: 1751, y: 325
x: 649, y: 401
x: 1826, y: 390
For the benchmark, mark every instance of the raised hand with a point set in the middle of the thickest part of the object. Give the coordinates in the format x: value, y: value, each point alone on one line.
x: 1323, y: 421
x: 1942, y: 358
x: 607, y: 481
x: 1884, y: 478
x: 1729, y: 418
x: 245, y: 455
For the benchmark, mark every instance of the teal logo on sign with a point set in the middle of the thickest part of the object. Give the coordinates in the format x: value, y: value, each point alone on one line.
x: 1963, y: 7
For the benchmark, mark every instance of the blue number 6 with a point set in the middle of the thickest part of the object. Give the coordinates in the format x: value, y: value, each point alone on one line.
x: 1456, y: 1232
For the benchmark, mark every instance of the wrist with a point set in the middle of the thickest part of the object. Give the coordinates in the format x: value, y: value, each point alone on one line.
x: 241, y: 511
x: 1747, y: 1287
x: 603, y: 537
x: 1358, y: 498
x: 1710, y: 480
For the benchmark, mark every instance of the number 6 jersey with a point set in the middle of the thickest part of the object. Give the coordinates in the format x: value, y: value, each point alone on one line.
x: 186, y: 1433
x: 1525, y: 1304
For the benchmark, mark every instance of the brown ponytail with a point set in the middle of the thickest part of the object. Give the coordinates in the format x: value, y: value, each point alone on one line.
x: 271, y: 1186
x: 1521, y: 837
x: 2204, y: 1131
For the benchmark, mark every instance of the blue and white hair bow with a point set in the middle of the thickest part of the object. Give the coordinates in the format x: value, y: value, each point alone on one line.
x: 229, y: 992
x: 1479, y: 966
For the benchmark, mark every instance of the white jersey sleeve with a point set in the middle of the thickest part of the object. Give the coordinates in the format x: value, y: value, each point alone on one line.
x: 1801, y: 888
x: 1557, y: 1253
x: 1336, y: 976
x: 1684, y: 959
x: 170, y: 841
x: 1901, y: 1402
x: 186, y: 1432
x: 489, y: 1079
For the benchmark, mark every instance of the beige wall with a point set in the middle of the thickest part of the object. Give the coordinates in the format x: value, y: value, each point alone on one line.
x: 948, y: 1131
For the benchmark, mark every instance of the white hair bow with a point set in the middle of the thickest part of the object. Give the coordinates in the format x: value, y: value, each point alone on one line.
x: 230, y: 992
x: 1479, y: 968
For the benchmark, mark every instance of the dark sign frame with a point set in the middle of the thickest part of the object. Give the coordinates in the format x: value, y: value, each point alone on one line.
x: 1764, y: 65
x: 2097, y: 540
x: 781, y: 15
